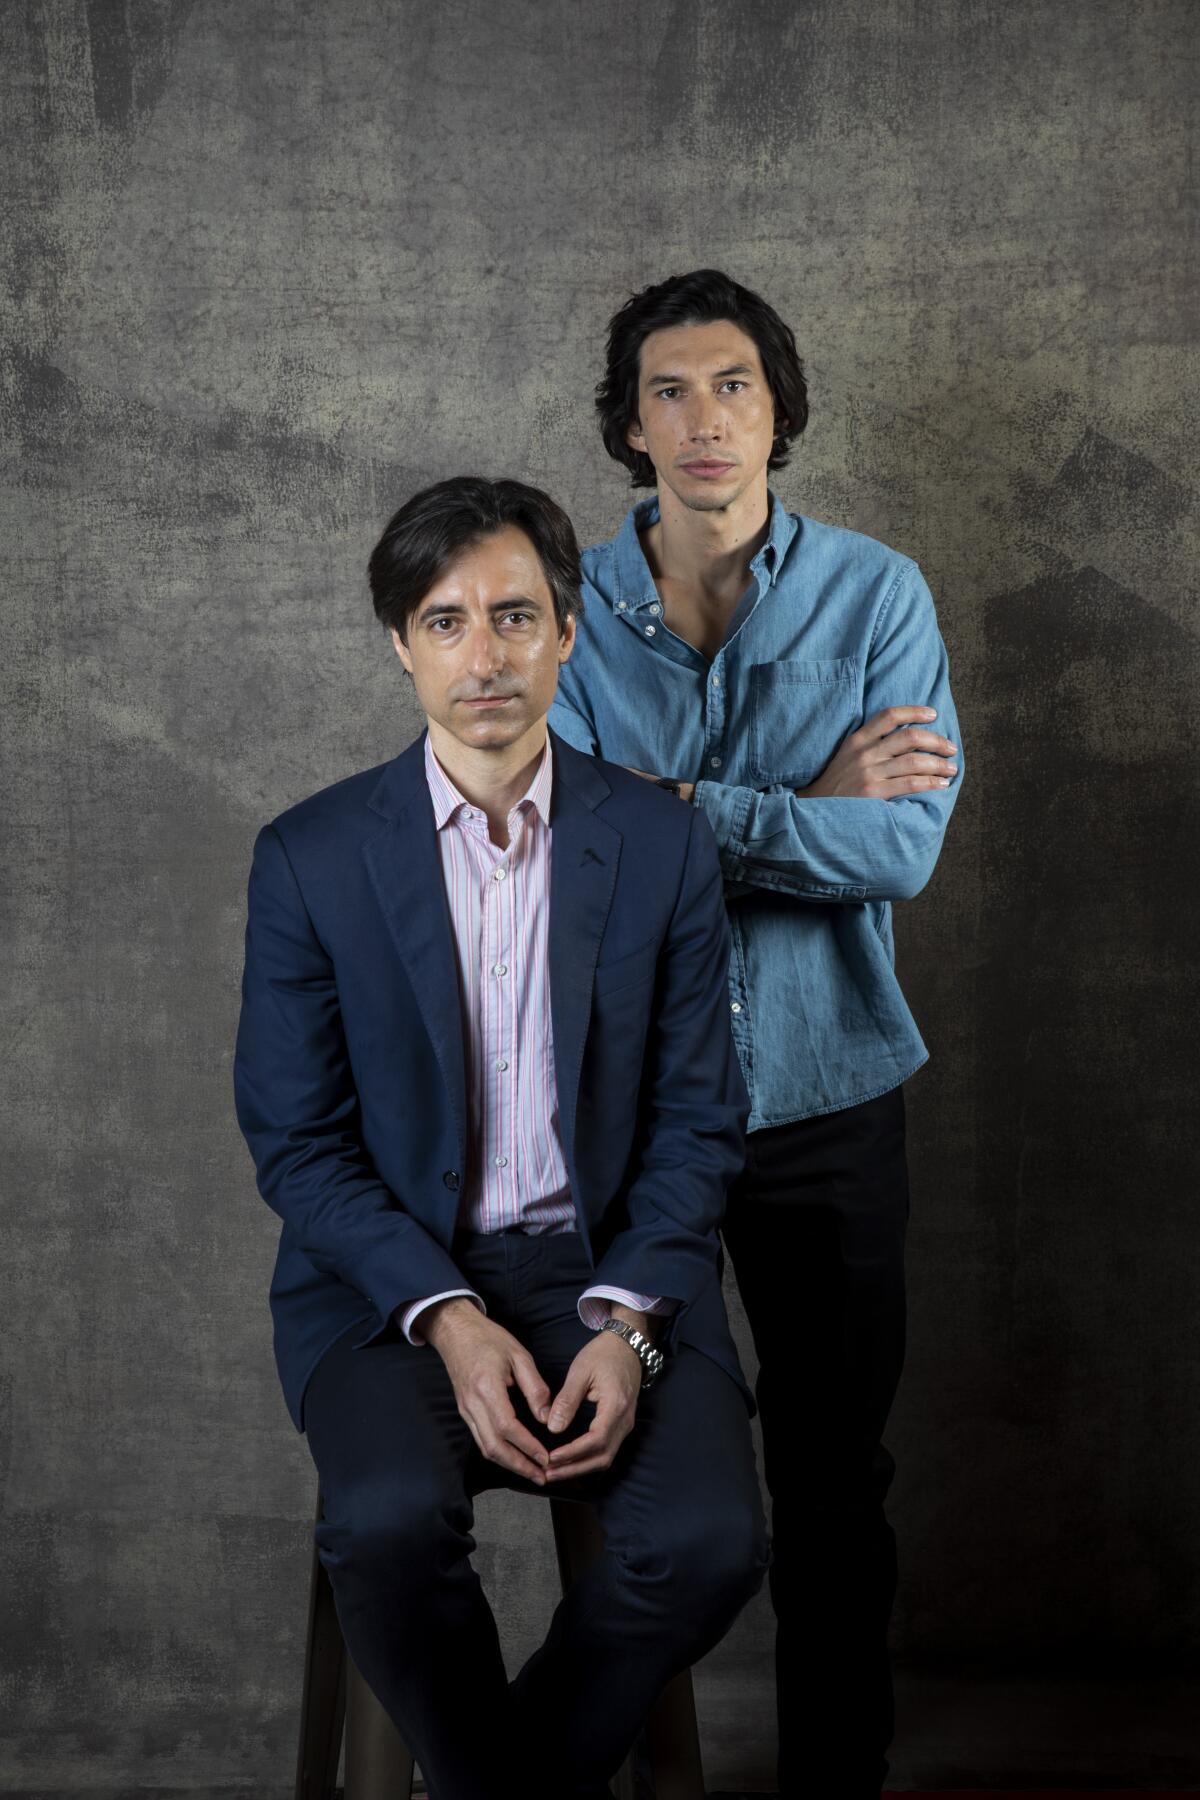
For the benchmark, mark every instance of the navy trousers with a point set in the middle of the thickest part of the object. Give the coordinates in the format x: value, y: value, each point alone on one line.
x: 685, y: 1542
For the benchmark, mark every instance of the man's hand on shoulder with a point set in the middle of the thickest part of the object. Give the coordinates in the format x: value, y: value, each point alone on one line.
x: 888, y: 756
x: 608, y: 1372
x: 686, y: 788
x: 484, y: 1361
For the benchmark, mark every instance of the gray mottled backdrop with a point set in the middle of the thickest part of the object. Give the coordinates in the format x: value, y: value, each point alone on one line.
x: 267, y: 268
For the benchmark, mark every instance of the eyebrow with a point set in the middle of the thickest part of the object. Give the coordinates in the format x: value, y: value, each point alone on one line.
x: 720, y: 375
x: 437, y: 609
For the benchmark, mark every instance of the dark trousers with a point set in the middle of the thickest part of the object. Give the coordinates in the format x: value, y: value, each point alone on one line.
x: 815, y: 1231
x: 680, y: 1509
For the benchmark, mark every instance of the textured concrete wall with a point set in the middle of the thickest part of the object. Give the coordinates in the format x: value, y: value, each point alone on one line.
x: 270, y: 267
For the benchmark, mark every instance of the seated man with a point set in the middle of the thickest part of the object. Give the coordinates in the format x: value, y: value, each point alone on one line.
x: 486, y: 1073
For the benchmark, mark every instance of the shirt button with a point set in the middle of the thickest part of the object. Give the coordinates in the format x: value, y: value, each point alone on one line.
x: 450, y: 1179
x: 714, y: 762
x: 502, y: 1162
x: 716, y: 681
x: 650, y: 629
x: 499, y: 968
x: 499, y: 874
x: 502, y: 1065
x: 656, y: 609
x: 736, y: 1007
x: 620, y: 606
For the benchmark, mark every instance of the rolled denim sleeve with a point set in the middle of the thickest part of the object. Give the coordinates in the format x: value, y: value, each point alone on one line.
x: 847, y: 849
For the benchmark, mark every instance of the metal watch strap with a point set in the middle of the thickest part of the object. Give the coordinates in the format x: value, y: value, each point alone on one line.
x: 651, y: 1359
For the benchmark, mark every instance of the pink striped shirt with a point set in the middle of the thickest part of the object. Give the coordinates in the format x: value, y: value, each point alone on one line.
x: 499, y: 902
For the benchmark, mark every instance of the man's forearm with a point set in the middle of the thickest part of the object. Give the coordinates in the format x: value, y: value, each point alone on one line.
x: 414, y: 1318
x: 441, y: 1316
x: 644, y: 1322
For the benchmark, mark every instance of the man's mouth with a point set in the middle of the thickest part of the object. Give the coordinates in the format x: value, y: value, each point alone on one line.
x: 484, y: 702
x: 708, y: 467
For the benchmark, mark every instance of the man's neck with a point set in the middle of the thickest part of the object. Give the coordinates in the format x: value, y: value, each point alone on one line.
x: 492, y: 780
x: 701, y: 560
x: 709, y: 553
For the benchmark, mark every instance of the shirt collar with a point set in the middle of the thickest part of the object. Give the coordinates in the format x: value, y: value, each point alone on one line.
x: 633, y: 586
x: 447, y: 800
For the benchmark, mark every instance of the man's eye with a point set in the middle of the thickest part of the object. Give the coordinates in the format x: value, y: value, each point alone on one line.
x: 435, y: 623
x: 521, y: 617
x: 734, y: 386
x: 667, y: 393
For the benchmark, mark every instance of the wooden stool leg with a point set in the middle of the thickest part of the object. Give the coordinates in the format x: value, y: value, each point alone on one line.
x: 323, y: 1701
x: 379, y: 1765
x: 673, y: 1741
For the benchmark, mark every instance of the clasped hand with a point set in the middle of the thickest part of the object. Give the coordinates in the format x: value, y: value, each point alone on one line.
x: 887, y: 757
x: 485, y: 1362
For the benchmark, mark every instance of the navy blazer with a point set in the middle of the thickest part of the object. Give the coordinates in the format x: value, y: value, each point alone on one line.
x: 350, y: 1077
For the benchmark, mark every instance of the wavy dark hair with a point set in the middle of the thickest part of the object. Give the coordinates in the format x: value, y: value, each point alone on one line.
x: 696, y: 299
x: 422, y: 539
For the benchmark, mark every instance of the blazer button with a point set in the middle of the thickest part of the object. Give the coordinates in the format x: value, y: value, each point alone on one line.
x: 450, y: 1180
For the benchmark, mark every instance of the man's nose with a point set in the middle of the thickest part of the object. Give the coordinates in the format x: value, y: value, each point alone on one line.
x: 485, y: 652
x: 704, y: 421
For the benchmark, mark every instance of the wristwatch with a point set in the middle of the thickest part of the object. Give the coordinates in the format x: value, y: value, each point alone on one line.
x: 672, y: 787
x: 651, y: 1359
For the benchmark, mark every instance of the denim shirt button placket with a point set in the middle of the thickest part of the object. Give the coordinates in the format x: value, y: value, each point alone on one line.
x: 714, y: 713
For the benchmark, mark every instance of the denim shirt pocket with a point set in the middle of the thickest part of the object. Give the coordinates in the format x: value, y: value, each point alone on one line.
x: 800, y: 712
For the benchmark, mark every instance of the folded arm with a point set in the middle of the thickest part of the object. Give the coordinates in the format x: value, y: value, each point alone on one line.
x: 822, y: 846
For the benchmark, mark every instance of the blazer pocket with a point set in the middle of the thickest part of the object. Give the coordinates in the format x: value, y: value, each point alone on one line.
x: 800, y: 711
x: 624, y: 971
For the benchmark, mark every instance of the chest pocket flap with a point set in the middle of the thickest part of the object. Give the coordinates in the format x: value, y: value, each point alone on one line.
x: 800, y: 711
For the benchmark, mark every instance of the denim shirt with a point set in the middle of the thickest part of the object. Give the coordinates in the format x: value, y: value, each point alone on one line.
x: 833, y: 627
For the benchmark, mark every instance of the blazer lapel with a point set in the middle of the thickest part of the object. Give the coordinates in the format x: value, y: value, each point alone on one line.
x: 583, y: 875
x: 406, y: 872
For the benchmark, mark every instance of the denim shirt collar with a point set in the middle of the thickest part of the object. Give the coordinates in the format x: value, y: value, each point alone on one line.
x: 633, y: 585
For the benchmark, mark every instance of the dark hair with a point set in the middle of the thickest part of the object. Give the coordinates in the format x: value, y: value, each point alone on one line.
x: 422, y: 539
x: 696, y: 299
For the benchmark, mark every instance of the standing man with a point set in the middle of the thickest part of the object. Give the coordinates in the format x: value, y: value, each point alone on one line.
x: 784, y: 678
x: 485, y: 1071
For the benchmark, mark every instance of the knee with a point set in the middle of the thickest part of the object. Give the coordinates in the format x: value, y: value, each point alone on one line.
x: 736, y: 1556
x: 392, y: 1535
x: 711, y: 1564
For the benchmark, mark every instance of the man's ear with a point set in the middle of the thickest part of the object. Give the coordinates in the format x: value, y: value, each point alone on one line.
x: 633, y: 436
x: 401, y: 649
x: 566, y: 639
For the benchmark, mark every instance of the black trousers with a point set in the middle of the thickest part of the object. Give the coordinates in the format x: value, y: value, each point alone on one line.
x: 685, y: 1548
x: 815, y: 1231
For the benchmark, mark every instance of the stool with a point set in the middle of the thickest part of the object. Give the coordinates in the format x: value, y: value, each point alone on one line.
x: 379, y: 1765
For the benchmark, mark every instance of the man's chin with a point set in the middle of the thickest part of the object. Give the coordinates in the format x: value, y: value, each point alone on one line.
x: 489, y: 730
x: 709, y: 496
x: 708, y: 501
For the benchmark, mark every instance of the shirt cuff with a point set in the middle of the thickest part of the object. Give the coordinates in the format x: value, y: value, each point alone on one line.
x: 595, y: 1305
x: 409, y: 1315
x: 727, y: 810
